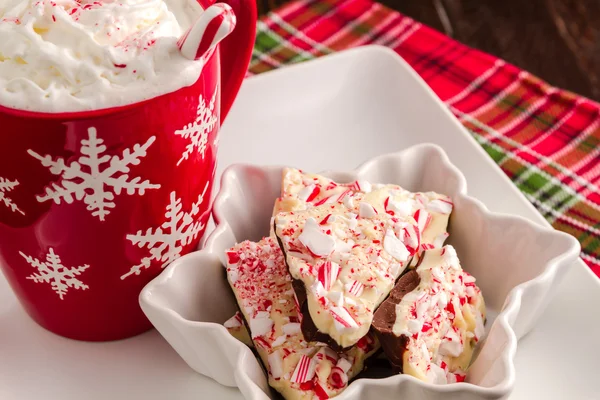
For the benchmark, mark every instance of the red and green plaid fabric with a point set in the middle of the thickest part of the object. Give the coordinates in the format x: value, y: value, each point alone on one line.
x: 545, y: 139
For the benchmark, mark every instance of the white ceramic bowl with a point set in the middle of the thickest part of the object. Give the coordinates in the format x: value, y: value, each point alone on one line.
x: 517, y: 265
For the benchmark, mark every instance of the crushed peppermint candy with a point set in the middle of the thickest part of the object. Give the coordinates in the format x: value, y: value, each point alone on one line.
x: 318, y: 242
x: 440, y: 206
x: 355, y: 288
x: 343, y: 319
x: 365, y: 210
x: 395, y: 247
x: 305, y: 370
x: 234, y: 322
x: 423, y: 219
x: 328, y: 274
x: 412, y: 239
x: 363, y: 186
x: 275, y: 362
x: 261, y: 324
x: 338, y: 378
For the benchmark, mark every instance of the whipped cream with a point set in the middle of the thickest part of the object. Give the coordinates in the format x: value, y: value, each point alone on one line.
x: 76, y: 55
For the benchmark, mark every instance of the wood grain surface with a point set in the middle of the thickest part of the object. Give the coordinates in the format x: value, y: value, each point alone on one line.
x: 557, y: 40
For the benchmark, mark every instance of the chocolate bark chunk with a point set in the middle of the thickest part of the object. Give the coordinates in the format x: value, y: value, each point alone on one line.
x: 348, y: 244
x: 385, y: 317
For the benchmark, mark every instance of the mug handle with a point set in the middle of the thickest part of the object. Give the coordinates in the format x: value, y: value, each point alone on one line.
x: 236, y: 51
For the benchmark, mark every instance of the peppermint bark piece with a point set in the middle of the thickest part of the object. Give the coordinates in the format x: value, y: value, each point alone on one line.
x: 432, y: 320
x: 296, y: 368
x: 341, y: 268
x: 345, y: 257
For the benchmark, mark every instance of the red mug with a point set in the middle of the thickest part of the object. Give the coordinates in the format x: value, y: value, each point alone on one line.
x: 94, y: 204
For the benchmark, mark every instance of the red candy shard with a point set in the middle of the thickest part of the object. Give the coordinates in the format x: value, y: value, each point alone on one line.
x: 442, y: 206
x: 326, y: 353
x: 423, y: 219
x: 338, y: 378
x: 450, y: 308
x: 412, y: 238
x: 365, y: 343
x: 322, y: 201
x: 305, y: 370
x: 356, y: 288
x: 307, y: 385
x: 343, y: 195
x: 320, y: 392
x: 343, y: 317
x: 232, y: 257
x: 385, y: 206
x: 262, y: 342
x: 324, y: 220
x: 314, y: 194
x: 328, y: 274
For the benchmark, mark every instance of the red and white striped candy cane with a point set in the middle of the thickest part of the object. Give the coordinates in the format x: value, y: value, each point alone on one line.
x: 215, y: 23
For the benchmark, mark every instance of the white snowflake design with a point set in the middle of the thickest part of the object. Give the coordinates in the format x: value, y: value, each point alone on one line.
x: 165, y: 243
x: 197, y: 131
x: 5, y: 187
x: 95, y: 177
x: 57, y: 275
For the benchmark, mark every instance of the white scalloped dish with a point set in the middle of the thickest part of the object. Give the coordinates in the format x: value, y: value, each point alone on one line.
x: 517, y: 265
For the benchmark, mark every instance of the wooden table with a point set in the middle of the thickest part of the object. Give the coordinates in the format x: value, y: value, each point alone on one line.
x: 557, y: 40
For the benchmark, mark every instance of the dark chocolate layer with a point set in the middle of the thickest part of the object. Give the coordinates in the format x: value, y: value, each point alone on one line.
x: 385, y: 318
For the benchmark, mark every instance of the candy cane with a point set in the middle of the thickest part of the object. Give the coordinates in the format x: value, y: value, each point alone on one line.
x: 215, y: 23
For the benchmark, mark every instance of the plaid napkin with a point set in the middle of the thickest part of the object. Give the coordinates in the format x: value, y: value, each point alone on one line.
x: 545, y: 139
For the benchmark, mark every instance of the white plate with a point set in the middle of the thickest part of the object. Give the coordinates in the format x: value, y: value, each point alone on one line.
x: 330, y: 116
